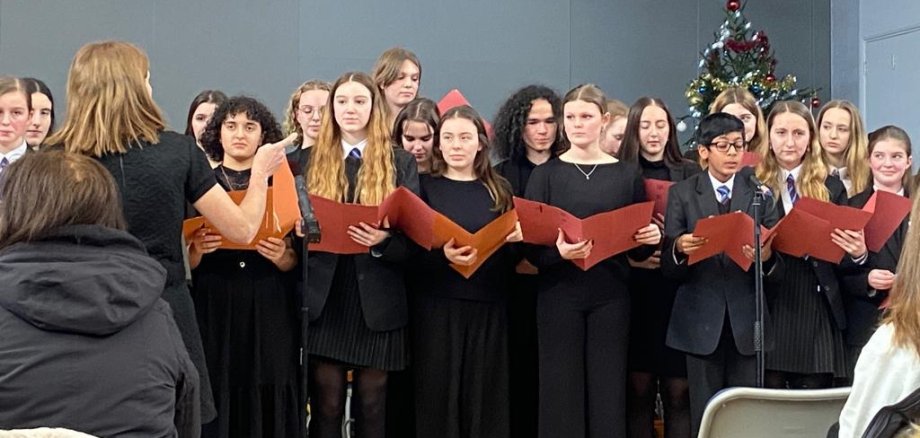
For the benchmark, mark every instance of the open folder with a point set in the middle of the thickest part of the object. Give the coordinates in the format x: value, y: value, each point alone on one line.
x: 281, y: 212
x: 403, y: 210
x: 726, y: 233
x: 888, y: 211
x: 612, y: 232
x: 807, y: 229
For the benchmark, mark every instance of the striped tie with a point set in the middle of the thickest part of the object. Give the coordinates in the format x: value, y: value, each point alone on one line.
x: 355, y: 153
x: 790, y: 187
x: 724, y: 192
x: 3, y: 163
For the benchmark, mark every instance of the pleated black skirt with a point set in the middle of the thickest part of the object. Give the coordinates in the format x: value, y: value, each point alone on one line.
x: 341, y: 332
x: 807, y: 340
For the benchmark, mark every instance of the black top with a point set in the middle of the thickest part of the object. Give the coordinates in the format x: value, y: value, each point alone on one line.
x: 155, y: 181
x: 611, y: 186
x: 654, y: 169
x: 469, y: 205
x: 517, y: 172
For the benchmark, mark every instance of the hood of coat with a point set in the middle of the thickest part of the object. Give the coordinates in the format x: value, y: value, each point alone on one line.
x: 83, y: 279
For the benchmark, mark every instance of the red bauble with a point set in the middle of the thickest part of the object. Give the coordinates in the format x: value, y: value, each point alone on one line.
x: 733, y: 5
x: 815, y: 102
x: 770, y: 78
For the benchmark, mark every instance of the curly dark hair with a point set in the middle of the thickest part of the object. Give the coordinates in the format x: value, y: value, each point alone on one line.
x: 254, y: 110
x: 512, y: 116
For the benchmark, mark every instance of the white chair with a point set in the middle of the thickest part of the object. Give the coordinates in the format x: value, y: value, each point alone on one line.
x: 773, y: 413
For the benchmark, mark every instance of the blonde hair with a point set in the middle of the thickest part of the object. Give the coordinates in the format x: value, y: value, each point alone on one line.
x: 108, y: 103
x: 10, y: 84
x: 616, y: 109
x: 290, y: 124
x: 856, y: 150
x: 759, y: 142
x: 903, y: 312
x: 377, y: 176
x: 810, y: 182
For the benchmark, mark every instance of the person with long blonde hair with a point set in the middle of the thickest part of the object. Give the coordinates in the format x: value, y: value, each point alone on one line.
x: 15, y: 115
x: 844, y: 141
x: 398, y: 75
x: 808, y: 326
x: 739, y: 102
x: 358, y: 304
x: 303, y: 117
x: 112, y: 117
x: 888, y: 369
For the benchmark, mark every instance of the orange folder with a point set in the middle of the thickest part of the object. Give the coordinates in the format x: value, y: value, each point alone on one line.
x: 281, y: 212
x: 455, y: 98
x: 657, y: 190
x: 888, y: 211
x: 612, y: 231
x: 727, y: 233
x: 405, y: 211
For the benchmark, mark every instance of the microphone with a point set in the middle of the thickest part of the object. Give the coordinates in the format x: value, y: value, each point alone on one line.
x: 309, y: 224
x: 756, y: 182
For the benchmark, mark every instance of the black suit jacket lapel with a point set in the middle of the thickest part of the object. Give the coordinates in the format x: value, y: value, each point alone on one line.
x: 706, y: 196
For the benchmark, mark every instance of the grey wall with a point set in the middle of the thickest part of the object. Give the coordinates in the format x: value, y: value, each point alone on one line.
x: 485, y: 48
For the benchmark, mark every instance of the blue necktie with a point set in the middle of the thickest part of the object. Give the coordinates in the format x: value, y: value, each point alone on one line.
x: 3, y: 163
x: 790, y: 187
x: 355, y: 153
x: 724, y: 192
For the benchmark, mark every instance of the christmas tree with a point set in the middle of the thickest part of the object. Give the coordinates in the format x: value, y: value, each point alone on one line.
x: 740, y: 57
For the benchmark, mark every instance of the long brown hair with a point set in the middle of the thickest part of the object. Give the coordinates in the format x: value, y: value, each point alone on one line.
x: 856, y: 150
x: 108, y: 103
x: 499, y: 188
x: 377, y: 176
x: 891, y: 132
x: 814, y: 171
x: 759, y: 142
x: 45, y: 191
x: 632, y: 146
x: 904, y: 308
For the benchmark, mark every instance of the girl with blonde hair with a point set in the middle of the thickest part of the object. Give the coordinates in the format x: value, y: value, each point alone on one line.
x: 844, y: 141
x: 112, y: 117
x: 397, y: 74
x: 15, y: 115
x: 303, y: 117
x: 358, y: 304
x: 808, y: 326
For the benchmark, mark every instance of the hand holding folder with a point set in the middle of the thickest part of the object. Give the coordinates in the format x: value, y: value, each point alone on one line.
x: 727, y: 233
x: 611, y: 232
x: 281, y: 212
x: 807, y: 229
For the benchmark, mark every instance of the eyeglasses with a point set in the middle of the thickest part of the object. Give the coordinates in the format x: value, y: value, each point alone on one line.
x: 722, y: 146
x: 308, y: 110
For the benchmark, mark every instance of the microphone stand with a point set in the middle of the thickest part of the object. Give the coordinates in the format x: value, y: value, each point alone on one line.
x: 312, y: 234
x: 758, y: 286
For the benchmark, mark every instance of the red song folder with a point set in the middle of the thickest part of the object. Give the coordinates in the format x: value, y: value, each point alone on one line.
x: 727, y: 233
x: 657, y: 190
x: 888, y: 211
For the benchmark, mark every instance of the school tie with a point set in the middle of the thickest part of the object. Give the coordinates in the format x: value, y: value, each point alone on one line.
x: 3, y: 163
x: 724, y: 193
x: 355, y: 153
x: 790, y: 187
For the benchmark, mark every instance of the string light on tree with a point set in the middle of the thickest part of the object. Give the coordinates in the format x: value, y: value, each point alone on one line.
x: 740, y: 57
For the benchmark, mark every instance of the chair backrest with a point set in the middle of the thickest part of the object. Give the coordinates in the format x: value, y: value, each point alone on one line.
x: 756, y: 412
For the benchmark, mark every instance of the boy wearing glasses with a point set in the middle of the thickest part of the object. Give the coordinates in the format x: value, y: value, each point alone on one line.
x: 713, y: 316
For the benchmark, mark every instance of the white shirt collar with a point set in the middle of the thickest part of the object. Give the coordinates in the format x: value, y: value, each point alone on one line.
x: 899, y: 193
x: 716, y: 184
x: 795, y: 173
x: 784, y: 194
x: 346, y: 147
x: 15, y: 154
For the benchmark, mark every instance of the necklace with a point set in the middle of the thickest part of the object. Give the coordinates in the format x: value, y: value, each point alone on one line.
x: 588, y: 174
x: 233, y: 187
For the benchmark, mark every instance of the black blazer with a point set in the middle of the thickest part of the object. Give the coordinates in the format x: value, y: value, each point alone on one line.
x: 860, y: 300
x: 827, y: 272
x: 381, y: 281
x: 685, y: 169
x: 713, y: 286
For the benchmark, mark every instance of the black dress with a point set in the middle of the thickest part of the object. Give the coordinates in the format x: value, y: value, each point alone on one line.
x: 583, y: 316
x: 460, y: 345
x: 155, y: 182
x: 652, y: 297
x: 247, y: 312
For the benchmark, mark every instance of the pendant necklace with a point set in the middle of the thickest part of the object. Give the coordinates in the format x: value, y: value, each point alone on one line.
x: 588, y: 174
x: 233, y: 187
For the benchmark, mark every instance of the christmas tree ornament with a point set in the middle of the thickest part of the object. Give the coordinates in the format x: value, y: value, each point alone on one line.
x: 815, y: 102
x: 681, y: 126
x: 733, y: 5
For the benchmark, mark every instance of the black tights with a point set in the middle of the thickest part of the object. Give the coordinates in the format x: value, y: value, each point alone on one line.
x: 786, y: 380
x: 640, y: 404
x: 327, y: 391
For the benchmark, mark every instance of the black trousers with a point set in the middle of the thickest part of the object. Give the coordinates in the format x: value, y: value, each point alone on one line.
x: 461, y: 368
x: 583, y: 344
x: 522, y: 346
x: 709, y: 374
